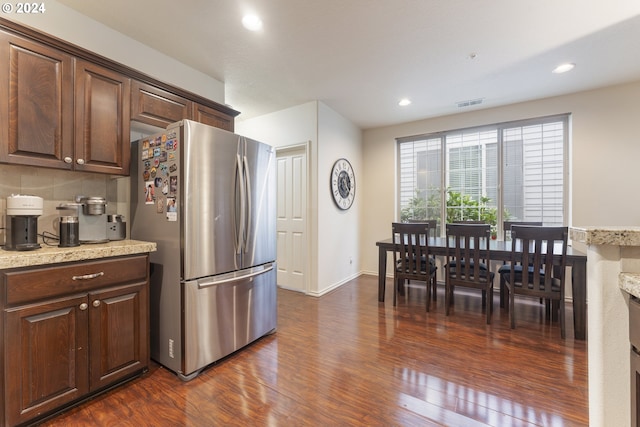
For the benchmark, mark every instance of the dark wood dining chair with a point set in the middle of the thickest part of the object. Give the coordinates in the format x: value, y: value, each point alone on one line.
x: 542, y: 253
x: 411, y: 258
x: 433, y: 224
x: 506, y: 236
x: 468, y: 261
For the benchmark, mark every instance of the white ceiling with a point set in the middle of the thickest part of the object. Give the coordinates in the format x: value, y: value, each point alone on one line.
x: 360, y: 57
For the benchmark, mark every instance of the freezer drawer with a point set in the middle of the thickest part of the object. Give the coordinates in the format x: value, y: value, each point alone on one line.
x: 225, y: 313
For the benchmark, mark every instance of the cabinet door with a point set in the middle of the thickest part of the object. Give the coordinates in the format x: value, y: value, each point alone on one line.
x: 119, y: 337
x: 46, y: 350
x: 36, y: 104
x: 211, y: 117
x: 157, y: 107
x: 102, y: 120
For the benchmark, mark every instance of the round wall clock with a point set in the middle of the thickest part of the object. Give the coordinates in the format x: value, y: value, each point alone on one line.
x: 343, y: 184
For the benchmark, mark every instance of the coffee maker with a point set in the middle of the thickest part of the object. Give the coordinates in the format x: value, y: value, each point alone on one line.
x: 92, y: 218
x: 21, y: 231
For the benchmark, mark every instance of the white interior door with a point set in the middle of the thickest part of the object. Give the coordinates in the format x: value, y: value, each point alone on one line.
x: 292, y: 218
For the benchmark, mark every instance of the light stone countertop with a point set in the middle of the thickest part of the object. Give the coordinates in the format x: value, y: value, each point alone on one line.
x: 613, y: 236
x: 54, y: 254
x: 606, y: 235
x: 630, y: 283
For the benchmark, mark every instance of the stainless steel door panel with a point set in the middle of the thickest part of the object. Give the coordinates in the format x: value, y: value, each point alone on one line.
x: 223, y: 314
x: 166, y: 273
x: 209, y: 161
x: 260, y: 176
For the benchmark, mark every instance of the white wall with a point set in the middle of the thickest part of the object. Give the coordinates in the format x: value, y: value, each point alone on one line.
x: 67, y: 24
x: 335, y: 234
x: 291, y: 126
x: 338, y: 230
x: 605, y: 154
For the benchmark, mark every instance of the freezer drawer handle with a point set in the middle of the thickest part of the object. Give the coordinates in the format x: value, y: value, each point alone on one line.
x: 88, y: 276
x: 233, y: 279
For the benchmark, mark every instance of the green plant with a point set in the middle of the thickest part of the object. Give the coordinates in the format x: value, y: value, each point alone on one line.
x: 415, y: 209
x: 460, y: 207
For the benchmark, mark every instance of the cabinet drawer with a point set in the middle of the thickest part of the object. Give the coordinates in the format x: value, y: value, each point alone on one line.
x: 31, y: 284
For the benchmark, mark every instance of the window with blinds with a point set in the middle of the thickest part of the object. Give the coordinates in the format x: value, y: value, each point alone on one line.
x: 511, y: 171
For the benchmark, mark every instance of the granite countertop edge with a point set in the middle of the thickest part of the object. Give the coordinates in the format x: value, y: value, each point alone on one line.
x: 606, y: 235
x: 54, y: 255
x: 630, y: 283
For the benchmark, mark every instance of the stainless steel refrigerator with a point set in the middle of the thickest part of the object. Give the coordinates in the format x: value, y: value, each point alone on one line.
x: 207, y: 197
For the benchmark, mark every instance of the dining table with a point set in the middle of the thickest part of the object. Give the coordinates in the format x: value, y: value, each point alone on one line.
x: 501, y: 251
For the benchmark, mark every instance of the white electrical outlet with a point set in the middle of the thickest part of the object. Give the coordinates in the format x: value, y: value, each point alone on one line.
x: 171, y: 348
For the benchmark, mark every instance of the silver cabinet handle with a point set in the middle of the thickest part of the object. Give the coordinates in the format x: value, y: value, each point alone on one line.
x: 84, y: 306
x: 88, y: 276
x: 96, y: 303
x: 68, y: 159
x: 80, y: 161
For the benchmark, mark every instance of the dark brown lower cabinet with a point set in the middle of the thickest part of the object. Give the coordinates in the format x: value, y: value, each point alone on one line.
x: 71, y: 331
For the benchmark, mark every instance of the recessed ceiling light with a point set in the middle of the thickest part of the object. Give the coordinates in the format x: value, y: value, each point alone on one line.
x: 563, y: 68
x: 404, y: 102
x: 252, y: 22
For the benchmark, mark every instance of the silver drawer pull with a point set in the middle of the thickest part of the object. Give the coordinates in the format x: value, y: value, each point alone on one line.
x: 84, y: 306
x: 88, y: 276
x: 96, y: 303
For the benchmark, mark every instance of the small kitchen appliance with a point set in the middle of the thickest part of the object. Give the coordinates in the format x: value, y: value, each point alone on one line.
x: 116, y: 227
x: 92, y: 219
x: 22, y: 222
x: 69, y: 231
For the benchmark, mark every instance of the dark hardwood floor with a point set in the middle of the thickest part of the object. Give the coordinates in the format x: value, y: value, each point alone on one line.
x: 347, y: 360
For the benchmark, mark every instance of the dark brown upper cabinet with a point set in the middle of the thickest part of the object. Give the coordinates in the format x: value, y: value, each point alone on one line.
x: 101, y: 120
x: 157, y: 107
x: 36, y: 104
x: 64, y: 107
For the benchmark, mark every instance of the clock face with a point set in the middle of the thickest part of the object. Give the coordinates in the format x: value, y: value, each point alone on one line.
x: 343, y: 184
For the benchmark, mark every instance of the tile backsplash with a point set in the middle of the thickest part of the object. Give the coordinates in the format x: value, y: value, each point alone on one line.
x: 57, y: 187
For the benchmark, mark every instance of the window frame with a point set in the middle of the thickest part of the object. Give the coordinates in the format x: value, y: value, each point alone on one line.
x: 500, y: 127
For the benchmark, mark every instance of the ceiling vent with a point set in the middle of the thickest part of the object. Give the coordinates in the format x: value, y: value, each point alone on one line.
x: 469, y: 102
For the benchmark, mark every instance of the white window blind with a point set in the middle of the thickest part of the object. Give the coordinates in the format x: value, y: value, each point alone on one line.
x: 511, y: 171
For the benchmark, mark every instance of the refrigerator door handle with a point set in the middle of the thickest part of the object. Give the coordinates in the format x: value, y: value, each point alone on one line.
x: 241, y: 223
x: 249, y: 213
x: 235, y: 278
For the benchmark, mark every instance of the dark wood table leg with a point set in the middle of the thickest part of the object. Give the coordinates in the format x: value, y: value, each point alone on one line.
x: 382, y: 272
x: 579, y: 288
